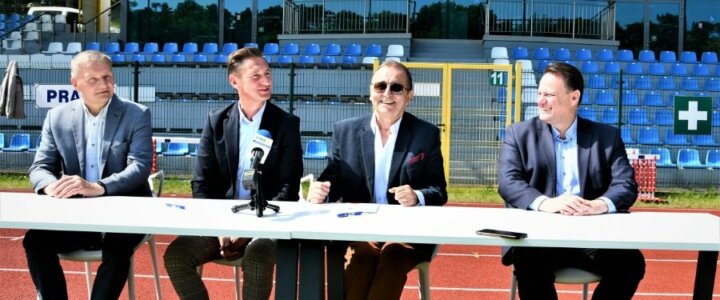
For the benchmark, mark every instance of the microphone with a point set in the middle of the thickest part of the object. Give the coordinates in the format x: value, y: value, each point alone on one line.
x: 256, y: 157
x: 261, y: 144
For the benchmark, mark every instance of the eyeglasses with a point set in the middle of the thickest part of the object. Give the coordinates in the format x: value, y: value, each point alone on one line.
x: 381, y: 87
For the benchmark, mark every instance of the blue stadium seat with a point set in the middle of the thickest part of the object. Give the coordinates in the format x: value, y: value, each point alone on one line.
x: 709, y: 57
x: 583, y: 54
x: 177, y: 58
x: 615, y: 82
x: 587, y: 113
x: 664, y: 117
x: 220, y: 59
x: 690, y: 84
x: 316, y: 149
x: 15, y: 17
x: 649, y: 136
x: 630, y: 98
x: 169, y: 48
x: 586, y: 99
x: 668, y: 57
x: 611, y: 68
x: 37, y: 143
x: 657, y: 69
x: 332, y: 50
x: 93, y: 46
x: 209, y: 49
x: 643, y: 83
x: 626, y: 135
x: 589, y: 67
x: 562, y: 54
x: 634, y: 68
x: 688, y: 57
x: 137, y: 58
x: 189, y: 49
x: 666, y: 83
x: 610, y: 115
x: 271, y: 49
x: 112, y: 48
x: 157, y: 58
x: 200, y: 58
x: 268, y: 58
x: 353, y: 50
x: 349, y: 60
x: 596, y: 82
x: 229, y: 48
x: 2, y: 17
x: 177, y: 149
x: 712, y: 84
x: 671, y: 97
x: 542, y: 65
x: 647, y: 56
x: 311, y: 49
x: 284, y: 60
x: 306, y: 61
x: 19, y: 142
x: 519, y: 53
x: 678, y: 69
x: 150, y: 48
x: 689, y: 158
x: 701, y: 70
x: 605, y: 97
x: 246, y: 45
x: 132, y: 48
x: 712, y: 159
x: 716, y: 119
x: 373, y: 50
x: 638, y: 116
x: 328, y: 61
x: 541, y: 53
x: 664, y: 159
x: 653, y: 98
x: 703, y: 140
x: 675, y: 139
x: 290, y: 49
x: 118, y: 58
x: 625, y: 55
x: 605, y: 55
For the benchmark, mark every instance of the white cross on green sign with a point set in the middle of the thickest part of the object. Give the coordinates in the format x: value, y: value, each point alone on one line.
x: 692, y: 115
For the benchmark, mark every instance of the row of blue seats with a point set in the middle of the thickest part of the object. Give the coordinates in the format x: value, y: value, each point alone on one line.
x: 687, y: 158
x: 600, y: 95
x: 19, y: 142
x: 281, y: 60
x: 651, y: 136
x: 668, y: 83
x: 315, y: 149
x: 635, y: 116
x: 656, y: 68
x: 607, y: 55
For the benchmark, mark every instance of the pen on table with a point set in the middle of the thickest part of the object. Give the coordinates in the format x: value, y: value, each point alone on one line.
x: 171, y: 205
x: 347, y: 214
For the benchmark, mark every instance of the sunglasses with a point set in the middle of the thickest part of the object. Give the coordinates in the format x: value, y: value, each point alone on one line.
x: 381, y: 87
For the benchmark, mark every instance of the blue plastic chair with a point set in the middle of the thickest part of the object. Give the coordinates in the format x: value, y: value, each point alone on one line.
x: 638, y: 116
x: 349, y: 60
x: 605, y: 55
x: 220, y: 59
x: 690, y: 84
x: 541, y: 53
x: 689, y: 158
x: 178, y: 58
x: 157, y: 58
x: 332, y: 50
x: 306, y: 61
x: 664, y: 117
x: 716, y: 119
x: 712, y: 84
x: 587, y: 112
x: 284, y: 60
x: 271, y: 49
x: 671, y: 97
x: 93, y: 46
x: 652, y: 98
x: 643, y: 83
x: 630, y: 98
x: 353, y: 50
x: 664, y: 159
x: 667, y: 56
x: 679, y: 69
x: 583, y: 54
x: 688, y: 57
x: 589, y: 67
x: 14, y: 17
x: 701, y: 70
x: 666, y: 83
x: 290, y: 49
x: 189, y: 49
x: 373, y: 50
x: 709, y: 57
x: 675, y: 139
x: 177, y: 149
x: 229, y: 48
x: 132, y: 48
x: 596, y: 82
x: 200, y: 58
x: 519, y: 53
x: 37, y: 144
x: 328, y: 61
x: 562, y: 54
x: 316, y: 149
x: 169, y: 48
x: 542, y: 65
x: 634, y: 68
x: 209, y: 49
x: 611, y: 68
x: 625, y: 55
x: 703, y: 140
x: 18, y: 143
x: 647, y: 56
x: 117, y: 58
x: 712, y: 159
x: 150, y: 48
x: 615, y: 82
x: 137, y: 58
x: 626, y: 135
x: 657, y: 69
x: 649, y: 136
x: 610, y: 115
x: 311, y: 49
x: 247, y: 45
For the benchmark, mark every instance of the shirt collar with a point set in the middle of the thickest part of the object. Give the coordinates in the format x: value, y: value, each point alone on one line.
x: 102, y: 113
x: 256, y: 119
x: 394, y: 128
x: 570, y: 134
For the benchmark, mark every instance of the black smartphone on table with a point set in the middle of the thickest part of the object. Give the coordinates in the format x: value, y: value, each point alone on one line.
x: 502, y: 233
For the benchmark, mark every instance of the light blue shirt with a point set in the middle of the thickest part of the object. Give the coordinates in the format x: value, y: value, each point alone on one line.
x: 94, y: 133
x: 248, y: 130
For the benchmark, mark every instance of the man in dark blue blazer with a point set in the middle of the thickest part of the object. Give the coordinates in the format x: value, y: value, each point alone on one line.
x: 561, y: 163
x: 225, y: 151
x: 387, y: 157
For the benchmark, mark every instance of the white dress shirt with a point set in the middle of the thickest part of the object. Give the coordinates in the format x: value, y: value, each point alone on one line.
x: 94, y: 133
x: 248, y: 130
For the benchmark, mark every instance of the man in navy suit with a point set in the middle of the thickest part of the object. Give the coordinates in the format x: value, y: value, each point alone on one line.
x: 96, y: 146
x: 561, y: 163
x: 387, y: 157
x: 224, y: 153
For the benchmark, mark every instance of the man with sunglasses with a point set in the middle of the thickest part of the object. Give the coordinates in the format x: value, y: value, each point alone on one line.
x: 387, y: 157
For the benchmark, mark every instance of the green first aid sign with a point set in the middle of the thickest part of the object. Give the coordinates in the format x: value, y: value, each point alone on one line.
x: 692, y: 115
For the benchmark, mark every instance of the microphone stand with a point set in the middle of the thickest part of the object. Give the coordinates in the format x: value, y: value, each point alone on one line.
x: 252, y: 179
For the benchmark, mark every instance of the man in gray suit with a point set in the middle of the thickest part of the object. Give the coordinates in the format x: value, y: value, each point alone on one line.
x: 99, y: 145
x: 387, y: 157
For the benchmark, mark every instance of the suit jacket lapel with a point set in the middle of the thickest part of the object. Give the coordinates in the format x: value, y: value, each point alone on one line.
x: 584, y: 143
x: 231, y: 131
x: 269, y: 120
x: 547, y: 150
x: 112, y: 121
x: 78, y: 129
x: 367, y: 146
x: 401, y: 145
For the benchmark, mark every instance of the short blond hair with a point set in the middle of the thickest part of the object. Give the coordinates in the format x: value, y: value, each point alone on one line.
x: 236, y: 58
x: 88, y: 56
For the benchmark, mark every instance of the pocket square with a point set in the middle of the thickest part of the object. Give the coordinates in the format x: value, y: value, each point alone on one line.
x: 416, y: 158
